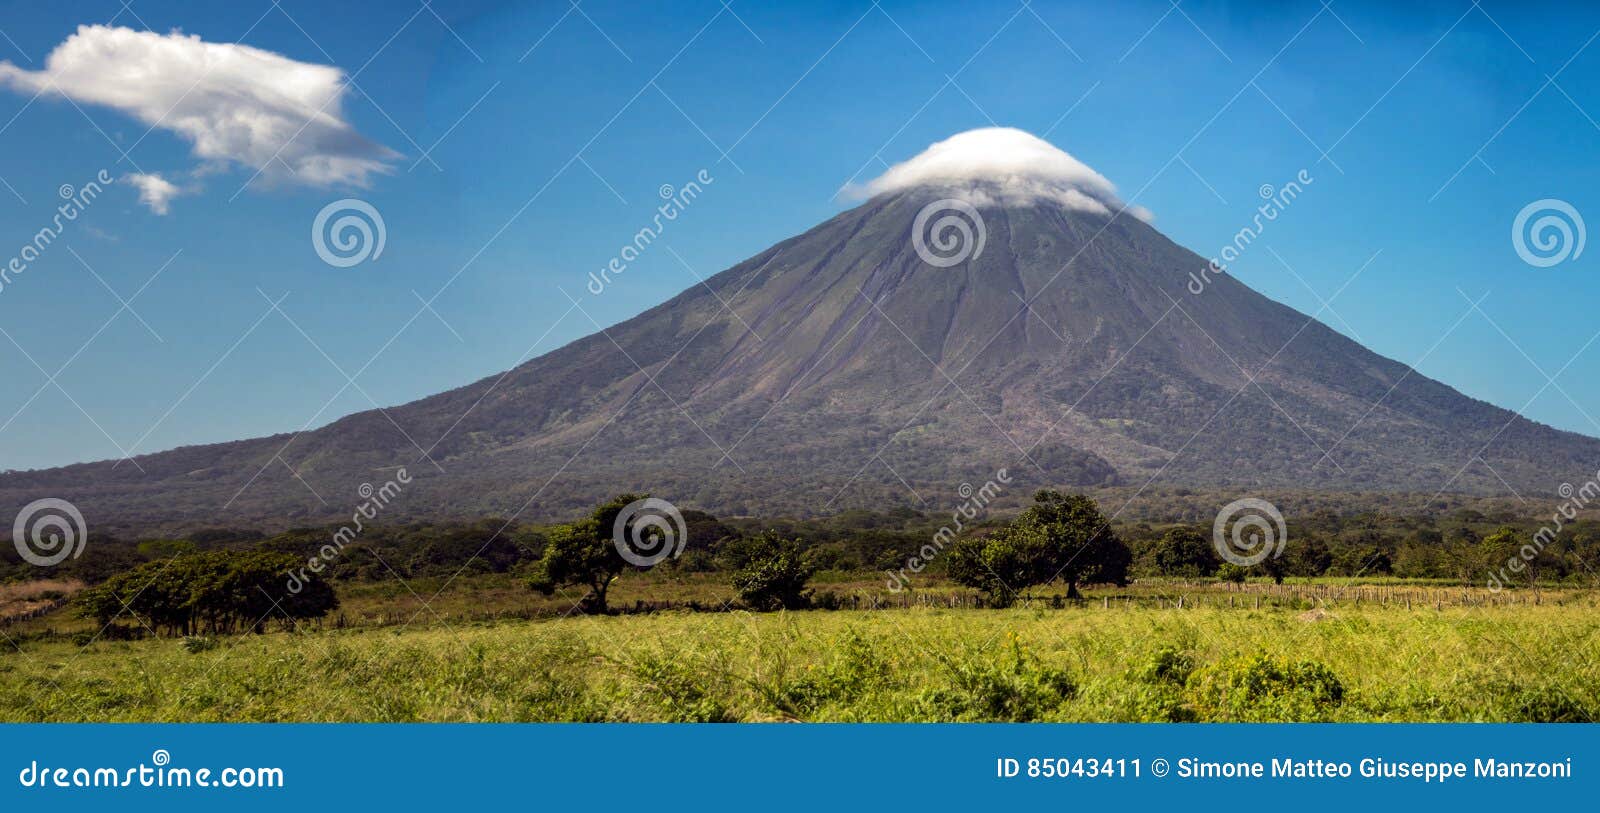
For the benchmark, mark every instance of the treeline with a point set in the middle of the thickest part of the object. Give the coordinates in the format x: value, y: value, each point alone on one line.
x: 409, y: 551
x: 1464, y: 546
x: 851, y: 541
x: 1468, y: 554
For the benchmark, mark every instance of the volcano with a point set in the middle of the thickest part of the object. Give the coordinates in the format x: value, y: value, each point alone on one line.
x: 991, y: 305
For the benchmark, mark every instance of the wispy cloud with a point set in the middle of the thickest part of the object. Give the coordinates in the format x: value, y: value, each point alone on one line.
x: 235, y: 104
x: 155, y: 191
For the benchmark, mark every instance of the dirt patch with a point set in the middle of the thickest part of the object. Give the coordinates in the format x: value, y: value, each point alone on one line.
x: 24, y: 599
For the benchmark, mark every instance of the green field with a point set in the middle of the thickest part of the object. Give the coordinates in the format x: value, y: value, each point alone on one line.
x: 1155, y: 659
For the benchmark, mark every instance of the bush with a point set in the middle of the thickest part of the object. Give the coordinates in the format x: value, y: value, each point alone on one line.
x: 1016, y: 688
x: 1260, y: 688
x: 1541, y: 704
x: 195, y: 644
x: 1168, y: 665
x: 1155, y: 692
x: 854, y: 670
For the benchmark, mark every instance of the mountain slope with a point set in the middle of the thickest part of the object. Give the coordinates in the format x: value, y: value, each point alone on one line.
x: 846, y: 371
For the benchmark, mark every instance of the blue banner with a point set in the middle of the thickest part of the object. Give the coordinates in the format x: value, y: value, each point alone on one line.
x: 792, y: 767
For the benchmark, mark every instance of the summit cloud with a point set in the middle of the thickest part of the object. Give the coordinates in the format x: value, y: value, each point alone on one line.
x: 1003, y: 165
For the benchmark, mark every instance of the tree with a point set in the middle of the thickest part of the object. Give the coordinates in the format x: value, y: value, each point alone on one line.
x: 1368, y: 561
x: 1313, y: 558
x: 1414, y: 561
x: 1509, y: 560
x: 1085, y: 549
x: 585, y: 554
x: 1058, y: 537
x: 1000, y: 563
x: 774, y: 575
x: 1462, y: 556
x: 1186, y: 553
x: 1275, y: 567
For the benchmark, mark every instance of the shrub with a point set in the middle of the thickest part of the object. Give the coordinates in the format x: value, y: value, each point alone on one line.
x: 1541, y: 704
x: 194, y: 644
x: 1155, y: 691
x: 1167, y: 664
x: 1016, y: 688
x: 854, y: 670
x: 1263, y: 688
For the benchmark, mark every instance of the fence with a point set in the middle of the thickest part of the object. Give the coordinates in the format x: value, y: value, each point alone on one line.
x: 37, y: 612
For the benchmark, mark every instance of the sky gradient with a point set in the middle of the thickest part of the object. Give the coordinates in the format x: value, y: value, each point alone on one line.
x: 522, y: 146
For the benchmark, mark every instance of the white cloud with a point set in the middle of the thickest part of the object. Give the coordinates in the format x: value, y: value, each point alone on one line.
x: 1003, y: 164
x: 155, y: 191
x: 236, y: 104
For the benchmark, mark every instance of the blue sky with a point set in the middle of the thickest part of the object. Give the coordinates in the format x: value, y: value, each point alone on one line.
x: 526, y: 143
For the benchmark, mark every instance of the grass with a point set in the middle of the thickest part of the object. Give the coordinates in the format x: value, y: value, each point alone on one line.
x: 1097, y: 662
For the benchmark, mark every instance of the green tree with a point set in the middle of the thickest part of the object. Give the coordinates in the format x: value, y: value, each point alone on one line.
x: 1463, y: 557
x: 774, y: 575
x: 1275, y: 567
x: 1313, y: 558
x: 583, y: 553
x: 1060, y: 536
x: 1186, y: 553
x: 1363, y: 560
x: 1417, y: 562
x: 1503, y: 560
x: 1000, y: 564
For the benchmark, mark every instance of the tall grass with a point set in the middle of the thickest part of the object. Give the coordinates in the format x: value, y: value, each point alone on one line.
x: 1509, y: 663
